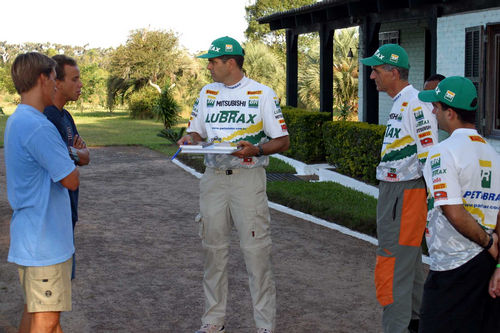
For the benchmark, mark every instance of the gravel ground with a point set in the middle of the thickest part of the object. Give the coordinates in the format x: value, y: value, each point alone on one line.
x: 139, y: 259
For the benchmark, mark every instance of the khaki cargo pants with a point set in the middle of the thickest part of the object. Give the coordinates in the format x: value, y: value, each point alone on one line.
x: 237, y: 196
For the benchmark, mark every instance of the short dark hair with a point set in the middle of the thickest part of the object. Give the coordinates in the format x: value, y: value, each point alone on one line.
x: 403, y: 72
x: 466, y: 116
x: 239, y: 59
x: 27, y: 68
x: 61, y: 61
x: 435, y: 77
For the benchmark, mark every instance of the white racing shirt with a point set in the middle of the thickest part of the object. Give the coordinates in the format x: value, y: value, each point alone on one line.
x: 247, y: 111
x: 463, y: 169
x: 411, y: 131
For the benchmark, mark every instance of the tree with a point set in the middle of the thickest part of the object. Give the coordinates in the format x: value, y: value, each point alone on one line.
x: 261, y: 32
x: 265, y: 67
x: 94, y: 84
x: 148, y: 57
x: 345, y: 74
x: 308, y: 77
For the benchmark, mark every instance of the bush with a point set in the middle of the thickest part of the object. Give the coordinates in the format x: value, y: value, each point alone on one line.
x: 306, y: 139
x: 166, y: 109
x: 354, y: 148
x: 142, y: 103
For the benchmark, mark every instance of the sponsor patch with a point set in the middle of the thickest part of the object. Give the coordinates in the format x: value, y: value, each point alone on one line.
x: 435, y: 162
x: 436, y: 180
x: 439, y: 186
x: 421, y: 135
x: 256, y: 92
x: 419, y: 115
x: 253, y: 103
x: 449, y: 96
x: 405, y: 104
x: 485, y: 173
x: 282, y: 121
x: 283, y: 127
x: 440, y: 195
x: 392, y: 175
x: 476, y: 138
x: 229, y: 48
x: 426, y: 142
x: 212, y: 92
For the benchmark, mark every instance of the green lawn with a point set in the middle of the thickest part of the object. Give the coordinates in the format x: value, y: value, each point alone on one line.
x: 329, y: 201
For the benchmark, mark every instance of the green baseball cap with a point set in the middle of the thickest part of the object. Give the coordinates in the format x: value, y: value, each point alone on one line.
x: 455, y: 91
x: 391, y: 54
x: 223, y: 46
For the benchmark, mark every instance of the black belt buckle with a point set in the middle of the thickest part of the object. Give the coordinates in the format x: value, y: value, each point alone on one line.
x: 229, y: 172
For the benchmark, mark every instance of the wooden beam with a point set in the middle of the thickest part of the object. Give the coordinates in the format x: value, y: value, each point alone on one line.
x: 326, y: 68
x: 291, y: 68
x: 370, y: 31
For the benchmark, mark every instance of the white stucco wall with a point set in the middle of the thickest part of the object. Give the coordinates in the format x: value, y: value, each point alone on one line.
x: 451, y: 38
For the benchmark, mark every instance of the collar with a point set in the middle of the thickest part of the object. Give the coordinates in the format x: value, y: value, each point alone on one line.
x: 239, y: 84
x: 401, y: 92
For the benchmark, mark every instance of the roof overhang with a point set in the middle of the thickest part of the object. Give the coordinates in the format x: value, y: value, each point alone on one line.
x: 345, y: 13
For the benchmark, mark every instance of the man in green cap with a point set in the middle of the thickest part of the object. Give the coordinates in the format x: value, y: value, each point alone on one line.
x: 237, y: 110
x: 463, y: 180
x: 401, y: 209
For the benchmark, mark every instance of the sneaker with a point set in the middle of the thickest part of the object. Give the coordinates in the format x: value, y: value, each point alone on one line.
x: 210, y: 328
x: 264, y: 330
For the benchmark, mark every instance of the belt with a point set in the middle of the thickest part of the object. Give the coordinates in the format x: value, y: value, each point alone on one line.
x: 227, y: 172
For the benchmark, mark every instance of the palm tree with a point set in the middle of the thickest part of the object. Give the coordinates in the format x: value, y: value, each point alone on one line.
x: 264, y: 66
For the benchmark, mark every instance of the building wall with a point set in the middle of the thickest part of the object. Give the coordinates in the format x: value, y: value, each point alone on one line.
x: 451, y: 36
x: 412, y: 39
x: 451, y: 43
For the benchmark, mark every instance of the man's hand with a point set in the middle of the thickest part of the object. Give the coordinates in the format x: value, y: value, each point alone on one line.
x: 494, y: 287
x: 78, y: 142
x: 81, y: 150
x: 246, y: 150
x: 190, y: 139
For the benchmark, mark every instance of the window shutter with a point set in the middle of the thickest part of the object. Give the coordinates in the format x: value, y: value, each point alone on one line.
x: 472, y: 54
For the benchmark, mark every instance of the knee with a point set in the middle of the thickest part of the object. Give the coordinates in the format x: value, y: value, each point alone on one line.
x: 45, y: 321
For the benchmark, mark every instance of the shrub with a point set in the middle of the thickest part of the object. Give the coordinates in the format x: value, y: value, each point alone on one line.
x: 354, y: 148
x: 306, y: 139
x: 142, y: 103
x: 167, y: 109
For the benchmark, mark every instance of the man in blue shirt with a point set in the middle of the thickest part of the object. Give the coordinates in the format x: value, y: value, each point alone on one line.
x: 39, y: 174
x: 69, y: 88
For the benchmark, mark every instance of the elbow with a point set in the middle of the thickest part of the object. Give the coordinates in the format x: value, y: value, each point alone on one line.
x: 286, y: 144
x: 72, y: 181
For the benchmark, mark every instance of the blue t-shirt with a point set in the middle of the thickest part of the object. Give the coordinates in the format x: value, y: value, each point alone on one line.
x: 66, y: 127
x: 36, y: 159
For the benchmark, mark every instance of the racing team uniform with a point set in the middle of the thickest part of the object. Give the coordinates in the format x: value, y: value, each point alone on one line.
x: 462, y: 169
x: 234, y: 189
x: 401, y: 209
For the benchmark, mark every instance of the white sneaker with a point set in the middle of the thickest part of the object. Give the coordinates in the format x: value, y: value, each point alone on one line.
x: 264, y: 330
x: 210, y: 328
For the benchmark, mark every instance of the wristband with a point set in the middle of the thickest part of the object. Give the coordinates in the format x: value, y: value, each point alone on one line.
x: 73, y: 153
x: 498, y: 265
x: 261, y: 151
x: 490, y: 243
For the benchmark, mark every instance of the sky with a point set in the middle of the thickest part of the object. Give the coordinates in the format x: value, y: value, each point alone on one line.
x: 107, y: 23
